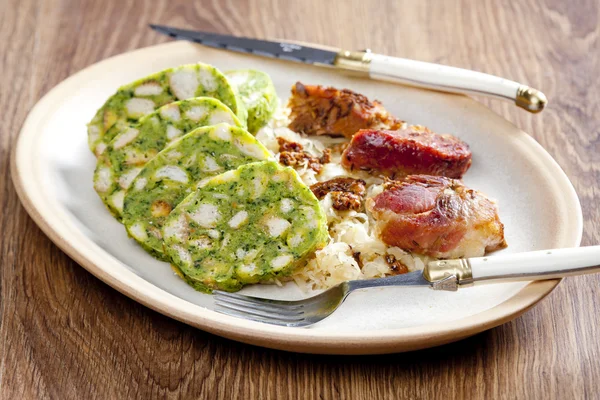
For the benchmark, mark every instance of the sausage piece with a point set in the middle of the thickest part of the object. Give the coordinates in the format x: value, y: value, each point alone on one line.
x: 413, y: 150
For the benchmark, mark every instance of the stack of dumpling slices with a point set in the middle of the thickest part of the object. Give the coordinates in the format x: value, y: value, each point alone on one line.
x: 177, y: 165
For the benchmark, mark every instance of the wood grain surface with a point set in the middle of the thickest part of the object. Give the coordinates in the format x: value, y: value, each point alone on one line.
x: 65, y: 334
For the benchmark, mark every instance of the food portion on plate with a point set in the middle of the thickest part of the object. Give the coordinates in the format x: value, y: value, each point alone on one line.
x: 133, y: 147
x: 319, y: 110
x: 177, y: 170
x: 328, y: 189
x: 133, y: 101
x: 248, y: 225
x: 257, y: 92
x: 436, y: 216
x: 411, y: 150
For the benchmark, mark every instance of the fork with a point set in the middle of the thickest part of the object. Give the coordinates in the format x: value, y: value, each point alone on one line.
x: 446, y: 275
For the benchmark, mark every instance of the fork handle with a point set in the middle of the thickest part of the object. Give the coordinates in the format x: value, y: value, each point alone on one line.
x: 544, y: 264
x: 534, y: 265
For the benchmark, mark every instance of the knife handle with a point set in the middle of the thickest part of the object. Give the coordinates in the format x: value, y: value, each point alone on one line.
x: 440, y: 77
x: 534, y: 265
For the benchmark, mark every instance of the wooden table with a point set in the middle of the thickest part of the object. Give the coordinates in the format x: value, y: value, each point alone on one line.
x: 65, y: 334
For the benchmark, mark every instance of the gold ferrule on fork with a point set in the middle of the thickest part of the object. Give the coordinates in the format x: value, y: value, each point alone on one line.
x: 449, y: 274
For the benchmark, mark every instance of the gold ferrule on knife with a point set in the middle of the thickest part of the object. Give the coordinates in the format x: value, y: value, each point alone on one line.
x: 530, y: 99
x: 449, y: 274
x: 355, y: 61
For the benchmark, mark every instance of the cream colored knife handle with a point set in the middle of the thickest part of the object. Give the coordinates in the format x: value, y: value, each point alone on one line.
x: 450, y: 79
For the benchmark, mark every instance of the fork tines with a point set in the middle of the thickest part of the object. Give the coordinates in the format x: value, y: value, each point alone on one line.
x: 261, y: 310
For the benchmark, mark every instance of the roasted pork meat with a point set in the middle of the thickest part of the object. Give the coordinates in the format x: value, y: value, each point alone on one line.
x: 320, y: 110
x: 436, y: 216
x: 412, y: 150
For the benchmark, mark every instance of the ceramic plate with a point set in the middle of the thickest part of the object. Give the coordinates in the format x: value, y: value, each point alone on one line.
x: 52, y: 170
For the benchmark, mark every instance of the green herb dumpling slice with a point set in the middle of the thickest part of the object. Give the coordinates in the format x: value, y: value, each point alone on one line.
x: 244, y: 226
x: 258, y: 94
x: 133, y: 101
x: 174, y: 173
x: 137, y: 144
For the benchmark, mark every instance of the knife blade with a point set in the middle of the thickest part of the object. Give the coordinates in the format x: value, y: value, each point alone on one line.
x: 376, y: 66
x: 282, y: 50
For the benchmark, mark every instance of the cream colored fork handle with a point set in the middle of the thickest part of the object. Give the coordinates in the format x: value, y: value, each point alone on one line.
x: 544, y: 264
x: 451, y: 79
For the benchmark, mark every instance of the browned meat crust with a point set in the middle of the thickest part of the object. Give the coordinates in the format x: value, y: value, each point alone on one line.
x: 343, y: 201
x: 320, y: 110
x: 395, y: 265
x: 341, y: 184
x: 437, y: 216
x: 413, y: 150
x: 288, y: 145
x: 292, y: 154
x: 346, y: 193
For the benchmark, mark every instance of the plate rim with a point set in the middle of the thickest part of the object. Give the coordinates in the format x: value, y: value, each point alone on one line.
x: 98, y: 262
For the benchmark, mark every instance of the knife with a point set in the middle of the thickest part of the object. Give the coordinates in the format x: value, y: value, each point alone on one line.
x: 376, y: 66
